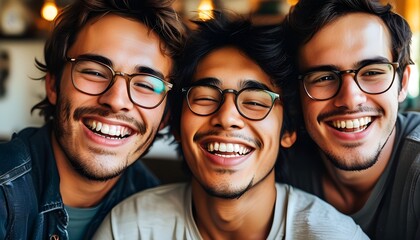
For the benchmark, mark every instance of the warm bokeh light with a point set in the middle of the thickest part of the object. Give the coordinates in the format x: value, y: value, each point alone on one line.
x: 49, y: 10
x: 292, y: 2
x: 205, y: 10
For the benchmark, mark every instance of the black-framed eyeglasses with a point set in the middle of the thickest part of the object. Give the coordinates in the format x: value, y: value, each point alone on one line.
x: 372, y: 78
x: 95, y: 78
x: 251, y: 103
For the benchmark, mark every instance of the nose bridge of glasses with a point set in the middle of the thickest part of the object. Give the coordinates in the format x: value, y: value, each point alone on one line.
x: 122, y: 74
x: 350, y: 71
x: 223, y: 97
x: 223, y: 94
x: 229, y: 91
x: 112, y: 81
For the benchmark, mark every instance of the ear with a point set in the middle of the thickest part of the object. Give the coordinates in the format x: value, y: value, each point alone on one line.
x: 288, y: 139
x: 404, y: 84
x: 50, y: 88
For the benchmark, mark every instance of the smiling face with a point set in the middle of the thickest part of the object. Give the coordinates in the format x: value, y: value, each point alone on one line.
x: 102, y: 135
x: 353, y: 127
x: 227, y: 153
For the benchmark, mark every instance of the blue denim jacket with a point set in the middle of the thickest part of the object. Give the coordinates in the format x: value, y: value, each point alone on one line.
x: 31, y: 206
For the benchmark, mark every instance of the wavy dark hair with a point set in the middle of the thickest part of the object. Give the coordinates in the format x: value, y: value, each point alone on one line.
x: 157, y: 15
x: 307, y: 17
x: 260, y: 43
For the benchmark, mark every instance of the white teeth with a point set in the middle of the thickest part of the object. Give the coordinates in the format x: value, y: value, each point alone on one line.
x: 105, y: 129
x: 222, y: 147
x: 354, y: 123
x: 349, y: 124
x: 228, y: 148
x: 112, y: 130
x: 210, y: 148
x: 98, y: 126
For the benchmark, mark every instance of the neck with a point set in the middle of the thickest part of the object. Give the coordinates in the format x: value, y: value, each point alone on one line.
x: 247, y: 217
x: 348, y: 191
x: 77, y: 191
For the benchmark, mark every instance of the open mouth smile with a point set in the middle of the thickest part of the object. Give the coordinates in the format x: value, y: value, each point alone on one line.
x: 351, y: 125
x: 108, y: 130
x: 227, y: 150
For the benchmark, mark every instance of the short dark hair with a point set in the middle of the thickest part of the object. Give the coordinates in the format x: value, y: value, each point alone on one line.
x: 157, y: 15
x: 307, y: 17
x: 262, y: 44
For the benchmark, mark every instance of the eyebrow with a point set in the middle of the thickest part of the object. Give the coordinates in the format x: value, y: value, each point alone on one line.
x: 107, y: 61
x: 248, y: 83
x: 357, y: 65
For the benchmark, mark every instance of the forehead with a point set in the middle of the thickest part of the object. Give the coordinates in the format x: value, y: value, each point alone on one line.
x: 127, y: 43
x: 231, y: 66
x: 347, y: 40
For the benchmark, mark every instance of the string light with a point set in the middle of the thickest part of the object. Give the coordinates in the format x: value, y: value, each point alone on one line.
x: 49, y: 10
x: 205, y: 10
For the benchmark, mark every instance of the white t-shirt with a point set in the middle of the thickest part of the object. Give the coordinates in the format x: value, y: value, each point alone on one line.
x: 165, y: 212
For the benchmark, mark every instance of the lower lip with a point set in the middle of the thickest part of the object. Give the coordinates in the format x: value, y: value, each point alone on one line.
x: 226, y: 161
x: 98, y: 139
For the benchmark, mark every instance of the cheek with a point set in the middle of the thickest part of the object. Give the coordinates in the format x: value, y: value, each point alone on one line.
x: 152, y: 117
x: 188, y: 125
x: 308, y: 110
x: 270, y: 128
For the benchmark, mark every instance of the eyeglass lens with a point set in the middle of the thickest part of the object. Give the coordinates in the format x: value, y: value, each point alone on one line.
x: 251, y: 103
x: 94, y: 78
x: 373, y: 78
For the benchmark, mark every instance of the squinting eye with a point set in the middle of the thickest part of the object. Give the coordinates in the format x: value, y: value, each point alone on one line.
x: 147, y: 85
x: 143, y: 85
x: 92, y: 72
x: 93, y: 75
x: 320, y: 79
x: 203, y: 100
x: 255, y: 104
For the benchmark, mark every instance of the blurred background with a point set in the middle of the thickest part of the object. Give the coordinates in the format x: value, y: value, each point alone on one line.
x: 24, y: 25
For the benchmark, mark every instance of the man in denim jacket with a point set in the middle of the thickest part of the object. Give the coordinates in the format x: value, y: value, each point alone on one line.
x: 107, y: 73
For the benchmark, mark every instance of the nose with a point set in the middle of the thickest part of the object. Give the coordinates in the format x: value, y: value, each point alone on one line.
x: 350, y: 96
x: 117, y: 97
x: 228, y: 116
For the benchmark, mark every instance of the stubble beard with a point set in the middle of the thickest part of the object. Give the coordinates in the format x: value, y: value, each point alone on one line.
x: 350, y: 165
x: 77, y: 159
x: 225, y: 190
x: 347, y: 164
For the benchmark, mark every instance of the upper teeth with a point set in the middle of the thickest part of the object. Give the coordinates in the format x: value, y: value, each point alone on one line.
x: 354, y: 123
x: 113, y: 130
x: 227, y: 147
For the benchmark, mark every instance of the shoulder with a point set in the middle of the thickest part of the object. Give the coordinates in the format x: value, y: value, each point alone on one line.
x: 308, y: 215
x: 300, y: 201
x: 155, y: 213
x: 409, y: 123
x: 15, y: 159
x: 153, y: 203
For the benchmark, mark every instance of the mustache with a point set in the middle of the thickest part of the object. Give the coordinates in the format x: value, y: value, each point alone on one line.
x: 342, y: 111
x: 79, y: 112
x: 200, y: 135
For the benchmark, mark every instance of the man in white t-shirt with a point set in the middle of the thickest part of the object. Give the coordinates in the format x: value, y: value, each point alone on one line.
x: 232, y: 111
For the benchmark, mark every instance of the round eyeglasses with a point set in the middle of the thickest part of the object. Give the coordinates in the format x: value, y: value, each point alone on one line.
x: 372, y: 78
x: 95, y: 78
x: 251, y: 103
